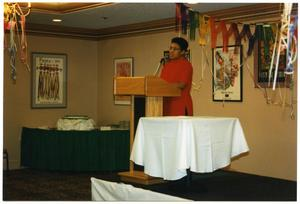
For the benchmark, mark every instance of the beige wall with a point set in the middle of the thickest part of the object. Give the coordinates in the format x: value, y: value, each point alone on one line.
x: 146, y: 51
x: 81, y: 90
x: 269, y: 130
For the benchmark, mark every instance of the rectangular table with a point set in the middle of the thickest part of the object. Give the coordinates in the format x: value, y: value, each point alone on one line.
x: 167, y: 146
x: 75, y: 150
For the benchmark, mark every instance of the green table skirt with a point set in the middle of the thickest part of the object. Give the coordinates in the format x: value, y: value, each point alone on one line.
x: 75, y: 150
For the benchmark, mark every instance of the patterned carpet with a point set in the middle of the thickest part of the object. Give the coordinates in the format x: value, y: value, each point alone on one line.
x: 39, y: 185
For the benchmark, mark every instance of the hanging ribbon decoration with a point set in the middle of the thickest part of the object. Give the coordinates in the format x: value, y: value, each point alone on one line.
x: 233, y: 30
x: 203, y: 29
x: 23, y: 51
x: 246, y: 32
x: 178, y: 17
x: 12, y: 11
x: 204, y: 24
x: 291, y: 51
x: 194, y: 23
x: 181, y: 18
x: 12, y: 51
x: 215, y: 30
x: 283, y: 37
x: 7, y: 13
x: 184, y: 18
x: 275, y: 30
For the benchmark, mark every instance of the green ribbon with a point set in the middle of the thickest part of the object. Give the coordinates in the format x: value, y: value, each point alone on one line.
x: 194, y: 23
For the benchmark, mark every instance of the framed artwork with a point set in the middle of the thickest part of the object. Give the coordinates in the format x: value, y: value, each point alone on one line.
x: 49, y: 80
x: 262, y: 61
x: 227, y: 74
x: 123, y: 68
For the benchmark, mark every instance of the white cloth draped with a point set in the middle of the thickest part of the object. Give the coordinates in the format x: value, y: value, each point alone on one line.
x: 75, y: 124
x: 111, y: 191
x: 167, y: 146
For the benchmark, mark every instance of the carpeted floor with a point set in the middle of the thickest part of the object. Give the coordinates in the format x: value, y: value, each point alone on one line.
x: 38, y: 185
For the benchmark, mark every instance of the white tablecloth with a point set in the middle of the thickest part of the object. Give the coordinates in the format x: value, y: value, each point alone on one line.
x: 167, y: 146
x: 111, y: 191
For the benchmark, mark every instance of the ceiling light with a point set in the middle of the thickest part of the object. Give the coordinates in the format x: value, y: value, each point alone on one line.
x: 56, y: 20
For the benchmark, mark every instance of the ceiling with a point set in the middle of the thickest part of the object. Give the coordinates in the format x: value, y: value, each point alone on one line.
x: 104, y: 15
x: 97, y: 20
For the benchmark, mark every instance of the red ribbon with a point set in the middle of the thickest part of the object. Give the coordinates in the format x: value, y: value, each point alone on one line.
x: 181, y: 18
x: 233, y: 30
x: 215, y: 30
x: 178, y: 17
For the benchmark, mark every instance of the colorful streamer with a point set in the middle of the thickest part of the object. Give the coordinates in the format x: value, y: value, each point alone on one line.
x: 13, y: 14
x: 194, y: 23
x: 23, y: 51
x: 291, y: 54
x: 204, y: 24
x: 184, y: 18
x: 246, y: 32
x: 178, y: 17
x: 12, y: 51
x: 215, y: 30
x: 233, y: 30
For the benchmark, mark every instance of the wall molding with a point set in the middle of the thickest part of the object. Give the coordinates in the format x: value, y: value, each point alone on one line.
x: 62, y: 7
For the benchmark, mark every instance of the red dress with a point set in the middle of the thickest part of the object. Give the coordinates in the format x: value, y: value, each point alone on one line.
x: 175, y: 71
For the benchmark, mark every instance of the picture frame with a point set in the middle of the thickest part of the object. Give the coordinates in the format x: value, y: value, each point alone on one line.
x: 48, y: 80
x: 262, y: 66
x: 227, y: 82
x: 123, y: 68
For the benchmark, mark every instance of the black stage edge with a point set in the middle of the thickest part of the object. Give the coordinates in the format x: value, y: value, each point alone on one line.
x: 39, y: 185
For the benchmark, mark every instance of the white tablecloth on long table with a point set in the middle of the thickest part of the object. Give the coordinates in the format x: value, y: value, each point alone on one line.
x: 167, y: 146
x: 111, y: 191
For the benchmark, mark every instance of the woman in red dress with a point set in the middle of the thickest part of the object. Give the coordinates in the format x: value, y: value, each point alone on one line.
x: 180, y: 71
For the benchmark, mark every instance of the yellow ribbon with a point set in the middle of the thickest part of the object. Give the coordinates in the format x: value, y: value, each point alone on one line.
x: 204, y: 25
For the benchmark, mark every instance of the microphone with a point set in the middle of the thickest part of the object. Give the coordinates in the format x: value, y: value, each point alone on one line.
x: 162, y: 61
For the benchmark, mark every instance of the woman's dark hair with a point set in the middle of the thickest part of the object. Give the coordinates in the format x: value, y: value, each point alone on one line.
x: 183, y: 44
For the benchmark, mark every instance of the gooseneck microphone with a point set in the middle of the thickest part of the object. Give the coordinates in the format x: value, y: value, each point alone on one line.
x: 161, y: 62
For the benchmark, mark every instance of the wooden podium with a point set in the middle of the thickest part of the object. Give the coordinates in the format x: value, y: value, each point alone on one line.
x: 153, y: 89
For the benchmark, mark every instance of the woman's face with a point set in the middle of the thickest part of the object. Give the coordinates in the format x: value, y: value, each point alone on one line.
x: 175, y: 52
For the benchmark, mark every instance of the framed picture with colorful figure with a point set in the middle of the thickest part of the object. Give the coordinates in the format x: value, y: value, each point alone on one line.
x: 49, y: 80
x: 227, y: 83
x: 263, y: 54
x: 123, y: 68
